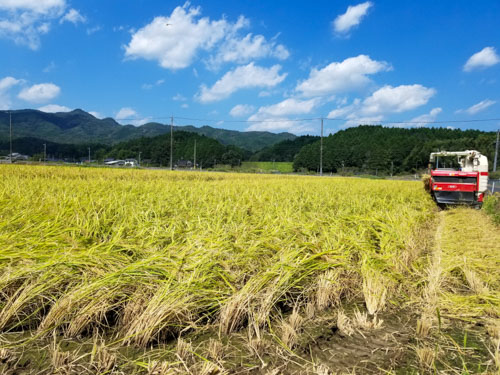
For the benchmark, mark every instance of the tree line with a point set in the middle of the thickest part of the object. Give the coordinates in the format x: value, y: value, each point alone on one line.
x: 363, y: 149
x: 378, y: 149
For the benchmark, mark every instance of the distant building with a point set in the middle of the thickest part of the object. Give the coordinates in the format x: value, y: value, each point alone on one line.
x: 183, y: 164
x: 15, y: 157
x: 122, y: 163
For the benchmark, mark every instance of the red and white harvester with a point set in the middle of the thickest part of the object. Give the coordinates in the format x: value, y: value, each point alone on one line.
x: 464, y: 185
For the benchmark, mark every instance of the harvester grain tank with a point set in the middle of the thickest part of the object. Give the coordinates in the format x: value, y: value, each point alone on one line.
x: 464, y: 185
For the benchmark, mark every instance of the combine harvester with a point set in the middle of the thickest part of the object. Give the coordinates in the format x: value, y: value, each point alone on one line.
x: 465, y: 185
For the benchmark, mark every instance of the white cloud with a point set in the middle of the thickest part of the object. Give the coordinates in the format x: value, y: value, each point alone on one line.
x: 247, y: 76
x: 73, y: 16
x: 179, y: 98
x: 422, y: 120
x: 485, y: 58
x: 174, y: 41
x: 127, y: 115
x: 344, y: 111
x: 275, y: 117
x: 288, y: 107
x: 96, y: 114
x: 93, y: 30
x: 8, y: 82
x: 243, y: 50
x: 149, y: 86
x: 241, y: 110
x: 386, y: 100
x: 478, y: 107
x: 282, y: 124
x: 347, y: 75
x: 39, y: 93
x: 24, y: 21
x: 185, y: 106
x: 398, y: 99
x: 352, y: 17
x: 37, y: 6
x: 53, y: 108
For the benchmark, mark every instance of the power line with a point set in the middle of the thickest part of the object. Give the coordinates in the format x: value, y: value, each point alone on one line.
x: 361, y: 122
x: 250, y: 121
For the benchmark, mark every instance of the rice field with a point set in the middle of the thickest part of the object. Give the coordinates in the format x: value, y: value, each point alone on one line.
x: 155, y: 272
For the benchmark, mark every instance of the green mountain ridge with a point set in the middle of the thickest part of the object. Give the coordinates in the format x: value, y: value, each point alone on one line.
x: 80, y: 127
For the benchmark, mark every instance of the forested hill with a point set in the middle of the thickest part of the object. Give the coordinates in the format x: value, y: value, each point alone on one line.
x: 285, y: 150
x: 81, y: 127
x: 154, y: 150
x: 378, y: 149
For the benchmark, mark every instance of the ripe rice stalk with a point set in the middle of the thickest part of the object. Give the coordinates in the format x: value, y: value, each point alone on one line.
x: 145, y: 255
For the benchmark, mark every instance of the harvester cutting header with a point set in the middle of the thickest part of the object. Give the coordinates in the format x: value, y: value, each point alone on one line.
x: 464, y: 185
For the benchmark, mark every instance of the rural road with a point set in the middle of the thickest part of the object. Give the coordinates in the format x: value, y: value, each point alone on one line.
x: 496, y: 187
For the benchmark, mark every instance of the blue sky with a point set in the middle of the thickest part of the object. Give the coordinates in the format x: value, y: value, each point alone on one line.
x: 255, y: 65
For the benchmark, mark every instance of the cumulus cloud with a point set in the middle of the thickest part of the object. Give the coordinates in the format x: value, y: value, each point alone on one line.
x: 351, y: 18
x: 288, y: 107
x: 422, y: 120
x: 53, y: 108
x: 127, y: 115
x: 282, y: 125
x: 275, y: 117
x: 241, y: 110
x: 6, y: 84
x: 398, y: 99
x: 243, y: 50
x: 478, y: 107
x: 24, y: 21
x: 39, y: 93
x: 384, y: 101
x: 483, y: 59
x: 176, y: 40
x: 96, y: 114
x: 37, y: 6
x: 348, y: 75
x: 242, y: 77
x: 73, y: 16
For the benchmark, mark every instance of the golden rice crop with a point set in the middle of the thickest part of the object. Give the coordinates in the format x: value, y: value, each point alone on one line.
x: 142, y: 256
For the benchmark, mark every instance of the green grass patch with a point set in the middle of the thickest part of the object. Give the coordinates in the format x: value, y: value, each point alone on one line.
x: 267, y: 166
x: 491, y: 206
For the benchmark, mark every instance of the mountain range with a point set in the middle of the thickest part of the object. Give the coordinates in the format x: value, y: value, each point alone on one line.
x: 80, y: 127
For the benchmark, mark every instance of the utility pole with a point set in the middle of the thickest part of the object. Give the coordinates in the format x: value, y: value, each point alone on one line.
x: 10, y: 122
x: 321, y: 150
x: 194, y: 161
x: 171, y: 143
x: 140, y: 158
x: 496, y: 152
x: 89, y: 155
x: 392, y: 167
x: 44, y: 153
